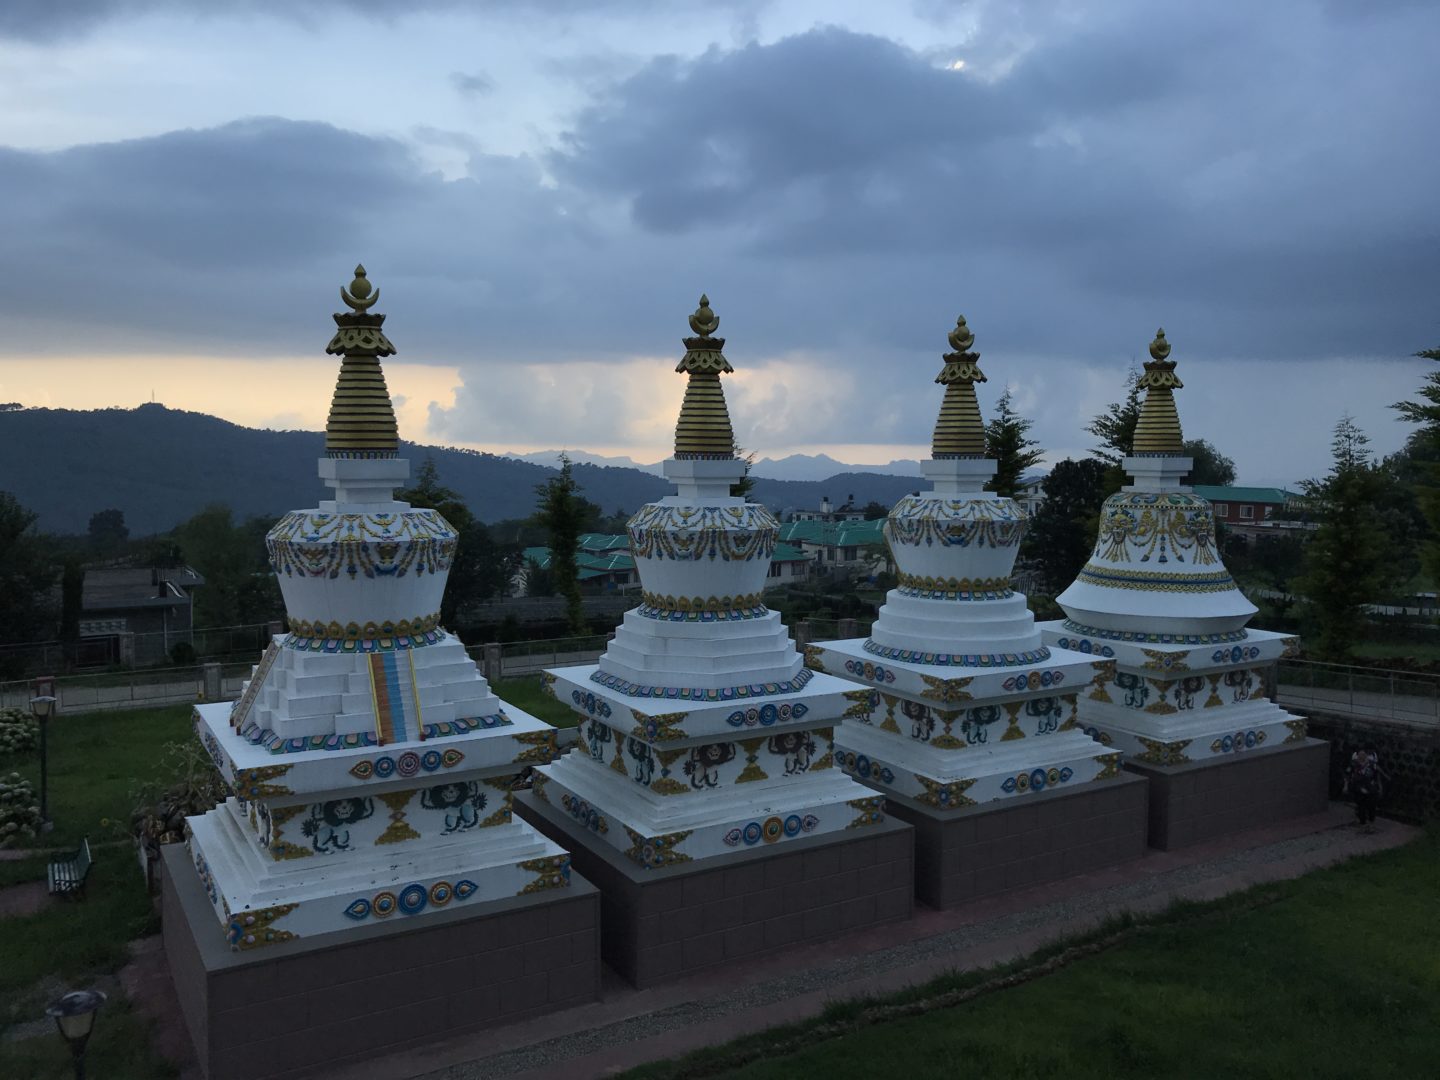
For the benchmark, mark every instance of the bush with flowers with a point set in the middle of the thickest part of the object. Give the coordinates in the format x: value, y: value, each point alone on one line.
x: 19, y: 732
x: 19, y: 811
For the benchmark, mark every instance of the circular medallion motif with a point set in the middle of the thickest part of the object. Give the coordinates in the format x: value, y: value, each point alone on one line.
x: 774, y: 829
x: 413, y: 899
x: 384, y: 904
x: 752, y: 833
x: 440, y: 893
x: 409, y: 763
x: 792, y: 825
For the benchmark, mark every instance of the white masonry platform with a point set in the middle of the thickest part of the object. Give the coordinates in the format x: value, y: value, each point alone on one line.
x: 1169, y: 702
x: 318, y: 840
x: 671, y: 780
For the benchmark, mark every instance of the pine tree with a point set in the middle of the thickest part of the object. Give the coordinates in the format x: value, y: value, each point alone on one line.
x: 561, y: 511
x: 1346, y: 557
x: 1115, y: 427
x: 1062, y: 534
x: 1425, y: 453
x: 1007, y: 441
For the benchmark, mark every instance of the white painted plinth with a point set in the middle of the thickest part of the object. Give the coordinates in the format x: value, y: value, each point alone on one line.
x: 951, y: 736
x: 667, y: 781
x: 1172, y: 702
x: 320, y: 840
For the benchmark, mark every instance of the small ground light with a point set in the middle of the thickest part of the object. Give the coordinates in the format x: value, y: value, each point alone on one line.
x: 74, y: 1015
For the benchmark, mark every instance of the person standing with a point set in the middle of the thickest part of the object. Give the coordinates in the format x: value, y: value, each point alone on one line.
x: 1365, y: 781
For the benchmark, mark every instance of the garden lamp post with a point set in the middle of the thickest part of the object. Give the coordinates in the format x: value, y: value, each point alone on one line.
x: 41, y: 708
x: 74, y: 1015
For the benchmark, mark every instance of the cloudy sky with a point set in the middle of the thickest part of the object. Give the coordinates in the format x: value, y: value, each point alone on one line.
x: 542, y: 189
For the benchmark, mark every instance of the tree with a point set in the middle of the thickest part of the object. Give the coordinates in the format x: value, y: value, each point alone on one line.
x: 1424, y: 450
x: 1211, y: 468
x: 742, y: 488
x: 1008, y: 442
x: 481, y: 568
x: 1345, y: 559
x: 1115, y: 427
x: 874, y: 511
x: 1062, y: 534
x: 27, y: 576
x: 108, y: 533
x: 561, y: 511
x: 240, y: 588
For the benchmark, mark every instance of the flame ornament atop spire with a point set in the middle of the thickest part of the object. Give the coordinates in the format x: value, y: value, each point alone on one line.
x: 960, y: 432
x: 704, y: 430
x: 362, y: 419
x: 1157, y: 432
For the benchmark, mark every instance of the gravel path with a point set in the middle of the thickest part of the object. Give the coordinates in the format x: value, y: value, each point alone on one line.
x: 1146, y: 892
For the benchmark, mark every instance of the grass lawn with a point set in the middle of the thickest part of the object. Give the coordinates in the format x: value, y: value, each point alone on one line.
x: 1423, y: 651
x: 524, y: 692
x: 96, y: 759
x: 1334, y: 975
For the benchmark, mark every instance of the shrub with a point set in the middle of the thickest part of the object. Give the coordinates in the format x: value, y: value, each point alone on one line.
x: 186, y: 784
x: 19, y: 732
x: 182, y: 654
x: 19, y: 811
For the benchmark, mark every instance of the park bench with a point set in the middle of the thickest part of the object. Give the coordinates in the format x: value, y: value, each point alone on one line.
x: 68, y: 872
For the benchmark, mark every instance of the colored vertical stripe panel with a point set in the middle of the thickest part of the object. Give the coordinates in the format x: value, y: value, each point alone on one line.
x: 414, y: 695
x: 240, y: 712
x: 396, y: 695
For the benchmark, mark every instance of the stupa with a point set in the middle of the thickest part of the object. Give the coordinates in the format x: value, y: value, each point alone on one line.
x: 967, y: 715
x: 705, y: 768
x: 1187, y: 686
x: 371, y: 767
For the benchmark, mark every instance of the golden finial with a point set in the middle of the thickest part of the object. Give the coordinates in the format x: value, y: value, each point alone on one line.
x: 704, y: 430
x: 360, y: 295
x: 960, y: 432
x: 704, y: 322
x: 1157, y: 431
x: 362, y: 419
x: 961, y: 338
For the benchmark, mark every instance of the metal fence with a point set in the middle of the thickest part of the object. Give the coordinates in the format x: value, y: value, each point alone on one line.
x: 1350, y: 690
x: 133, y: 689
x: 529, y: 657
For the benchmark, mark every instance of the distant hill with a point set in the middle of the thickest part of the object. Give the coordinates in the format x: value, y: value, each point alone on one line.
x: 822, y: 466
x: 161, y: 466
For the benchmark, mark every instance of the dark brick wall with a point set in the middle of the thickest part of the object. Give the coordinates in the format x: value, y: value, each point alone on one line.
x: 1218, y: 797
x: 1409, y: 753
x: 662, y: 924
x: 290, y: 1009
x: 992, y: 848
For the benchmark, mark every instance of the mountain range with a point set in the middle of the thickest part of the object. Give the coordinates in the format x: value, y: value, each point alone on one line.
x: 161, y: 466
x: 794, y: 467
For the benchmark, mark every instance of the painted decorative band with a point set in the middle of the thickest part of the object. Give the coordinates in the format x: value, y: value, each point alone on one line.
x: 933, y: 588
x: 687, y: 604
x: 424, y: 630
x: 913, y: 656
x: 1220, y: 581
x: 686, y: 693
x: 676, y: 615
x: 1153, y: 639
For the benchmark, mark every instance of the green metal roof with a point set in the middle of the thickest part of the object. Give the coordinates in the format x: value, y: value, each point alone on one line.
x: 839, y: 534
x: 603, y: 542
x: 1276, y: 496
x: 786, y: 553
x: 587, y: 564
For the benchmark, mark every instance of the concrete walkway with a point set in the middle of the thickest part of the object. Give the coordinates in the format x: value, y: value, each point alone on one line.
x: 629, y: 1027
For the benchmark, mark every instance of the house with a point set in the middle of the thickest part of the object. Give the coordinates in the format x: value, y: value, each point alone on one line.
x: 836, y: 544
x: 1030, y: 492
x: 788, y: 564
x: 136, y: 615
x: 828, y: 513
x: 609, y: 571
x: 1245, y: 508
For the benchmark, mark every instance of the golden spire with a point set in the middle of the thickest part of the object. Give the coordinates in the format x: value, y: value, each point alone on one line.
x: 704, y: 429
x: 1157, y: 432
x: 362, y: 420
x: 960, y: 432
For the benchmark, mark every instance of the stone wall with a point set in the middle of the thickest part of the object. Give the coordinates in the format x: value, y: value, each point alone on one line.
x: 1409, y: 753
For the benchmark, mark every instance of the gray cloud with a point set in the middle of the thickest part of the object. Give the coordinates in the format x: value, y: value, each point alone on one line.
x: 472, y: 83
x: 1260, y: 183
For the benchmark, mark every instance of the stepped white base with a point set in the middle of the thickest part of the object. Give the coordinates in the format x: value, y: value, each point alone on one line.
x: 740, y: 651
x: 657, y: 830
x: 1193, y: 735
x: 952, y: 779
x: 1172, y: 702
x: 258, y: 902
